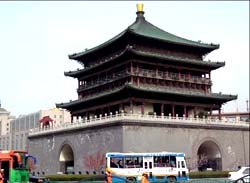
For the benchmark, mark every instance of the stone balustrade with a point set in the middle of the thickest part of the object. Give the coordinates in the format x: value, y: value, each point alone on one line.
x: 105, y: 119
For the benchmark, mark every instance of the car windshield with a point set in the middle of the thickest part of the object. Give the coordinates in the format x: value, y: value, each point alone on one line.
x: 244, y: 179
x: 246, y: 171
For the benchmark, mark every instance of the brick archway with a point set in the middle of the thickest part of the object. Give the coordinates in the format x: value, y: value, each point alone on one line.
x: 209, y: 156
x: 66, y: 159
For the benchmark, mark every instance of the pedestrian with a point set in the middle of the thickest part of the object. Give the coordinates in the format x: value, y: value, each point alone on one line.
x: 2, y: 178
x: 145, y: 178
x: 108, y: 176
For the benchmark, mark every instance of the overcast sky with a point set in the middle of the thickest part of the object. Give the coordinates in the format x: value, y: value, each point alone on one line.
x: 37, y: 37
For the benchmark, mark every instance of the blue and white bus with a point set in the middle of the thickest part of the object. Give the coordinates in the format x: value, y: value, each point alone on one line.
x: 160, y: 166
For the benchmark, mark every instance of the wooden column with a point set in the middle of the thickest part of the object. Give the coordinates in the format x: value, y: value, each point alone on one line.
x: 131, y: 71
x: 137, y: 73
x: 194, y: 112
x: 185, y: 111
x: 219, y: 113
x: 87, y: 115
x: 162, y: 109
x: 108, y: 110
x: 102, y: 112
x: 156, y: 76
x: 142, y: 107
x: 131, y: 105
x: 173, y: 111
x: 122, y: 107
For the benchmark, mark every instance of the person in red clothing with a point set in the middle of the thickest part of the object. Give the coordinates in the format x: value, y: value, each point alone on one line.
x: 144, y: 178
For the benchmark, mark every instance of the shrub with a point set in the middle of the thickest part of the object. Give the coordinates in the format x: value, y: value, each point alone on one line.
x: 74, y: 177
x: 91, y: 177
x: 208, y: 174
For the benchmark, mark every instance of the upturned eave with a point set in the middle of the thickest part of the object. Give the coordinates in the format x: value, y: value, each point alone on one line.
x: 143, y: 28
x: 129, y: 87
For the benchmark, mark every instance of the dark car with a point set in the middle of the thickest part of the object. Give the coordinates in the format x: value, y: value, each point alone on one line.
x: 38, y: 179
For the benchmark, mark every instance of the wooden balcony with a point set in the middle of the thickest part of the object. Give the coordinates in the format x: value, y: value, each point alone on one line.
x: 171, y: 76
x: 167, y: 76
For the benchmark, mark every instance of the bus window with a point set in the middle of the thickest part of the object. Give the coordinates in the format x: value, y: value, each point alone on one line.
x: 120, y: 163
x: 116, y: 162
x: 129, y: 163
x: 172, y: 161
x: 156, y: 159
x: 150, y: 165
x: 183, y: 164
x: 138, y: 162
x: 161, y: 161
x: 179, y: 164
x: 112, y: 163
x: 133, y: 162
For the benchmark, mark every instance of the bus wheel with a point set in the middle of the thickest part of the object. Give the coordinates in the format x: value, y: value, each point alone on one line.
x: 130, y: 180
x: 171, y: 179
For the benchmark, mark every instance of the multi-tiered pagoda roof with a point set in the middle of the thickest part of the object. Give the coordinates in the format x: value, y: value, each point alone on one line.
x: 144, y: 44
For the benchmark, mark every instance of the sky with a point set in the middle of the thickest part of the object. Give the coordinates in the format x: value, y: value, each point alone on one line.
x: 37, y: 37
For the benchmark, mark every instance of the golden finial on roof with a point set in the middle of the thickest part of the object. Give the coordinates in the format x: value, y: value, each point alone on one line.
x: 55, y: 109
x: 139, y: 7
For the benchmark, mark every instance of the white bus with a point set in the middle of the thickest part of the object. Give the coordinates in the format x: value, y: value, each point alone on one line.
x: 160, y: 166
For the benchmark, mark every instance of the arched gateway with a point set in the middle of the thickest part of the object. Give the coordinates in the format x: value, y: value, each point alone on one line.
x: 209, y: 156
x: 66, y: 159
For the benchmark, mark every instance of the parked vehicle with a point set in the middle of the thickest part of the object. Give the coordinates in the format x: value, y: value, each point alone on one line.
x: 242, y: 174
x: 14, y: 164
x: 244, y: 179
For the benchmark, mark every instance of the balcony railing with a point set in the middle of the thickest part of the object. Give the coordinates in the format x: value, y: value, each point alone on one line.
x: 106, y: 80
x: 171, y: 76
x: 137, y: 118
x: 146, y: 73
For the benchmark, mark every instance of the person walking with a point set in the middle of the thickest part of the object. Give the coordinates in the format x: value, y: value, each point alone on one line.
x: 108, y: 176
x: 145, y: 178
